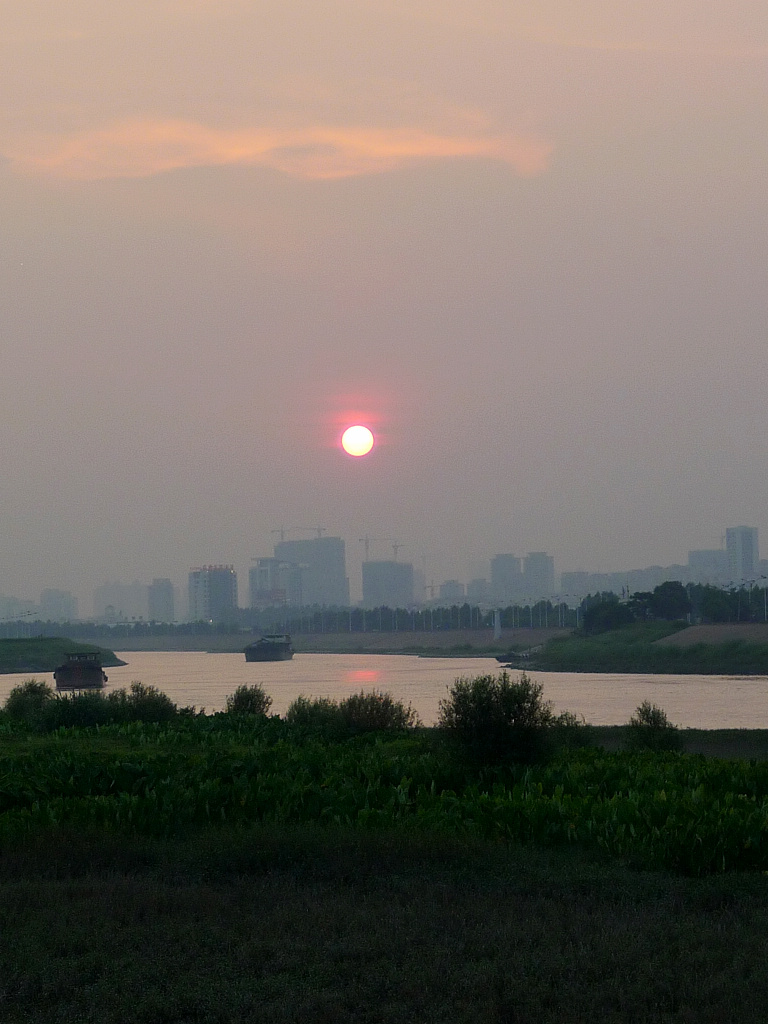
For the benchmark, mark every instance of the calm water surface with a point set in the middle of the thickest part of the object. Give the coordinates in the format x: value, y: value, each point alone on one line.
x: 702, y: 702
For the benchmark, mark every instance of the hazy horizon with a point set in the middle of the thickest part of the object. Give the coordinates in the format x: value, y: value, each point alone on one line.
x: 527, y: 247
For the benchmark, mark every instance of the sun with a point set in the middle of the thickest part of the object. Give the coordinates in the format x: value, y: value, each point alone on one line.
x: 357, y: 440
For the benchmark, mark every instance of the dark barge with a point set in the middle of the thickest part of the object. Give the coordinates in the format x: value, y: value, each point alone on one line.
x: 81, y: 671
x: 271, y: 647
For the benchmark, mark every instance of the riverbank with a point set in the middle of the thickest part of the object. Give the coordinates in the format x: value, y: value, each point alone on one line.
x: 659, y: 648
x: 462, y: 643
x: 45, y: 654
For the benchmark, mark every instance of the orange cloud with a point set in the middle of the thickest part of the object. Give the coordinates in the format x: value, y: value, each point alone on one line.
x: 137, y: 149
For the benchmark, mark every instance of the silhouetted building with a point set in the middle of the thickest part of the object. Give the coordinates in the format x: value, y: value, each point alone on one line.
x: 479, y: 592
x: 323, y: 569
x: 741, y: 548
x: 506, y: 578
x: 58, y: 606
x: 274, y: 582
x: 213, y: 593
x: 160, y: 601
x: 539, y: 574
x: 387, y: 583
x: 708, y: 566
x: 452, y: 592
x: 120, y: 602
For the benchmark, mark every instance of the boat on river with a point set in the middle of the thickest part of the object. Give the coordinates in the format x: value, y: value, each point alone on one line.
x: 81, y: 671
x: 270, y: 647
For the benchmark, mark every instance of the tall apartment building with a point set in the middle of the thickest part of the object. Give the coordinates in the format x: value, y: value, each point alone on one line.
x: 272, y: 582
x: 507, y: 582
x: 58, y: 606
x: 709, y: 566
x: 212, y: 593
x: 387, y: 584
x: 539, y: 573
x: 323, y: 569
x: 160, y: 601
x: 120, y: 602
x: 741, y: 549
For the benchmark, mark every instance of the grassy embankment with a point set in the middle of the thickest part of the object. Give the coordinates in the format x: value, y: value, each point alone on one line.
x: 229, y: 869
x: 44, y: 654
x: 645, y: 647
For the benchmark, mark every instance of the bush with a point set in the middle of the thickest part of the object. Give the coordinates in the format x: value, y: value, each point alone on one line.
x: 496, y: 719
x: 359, y: 713
x: 571, y: 731
x: 28, y: 702
x: 141, y: 704
x: 376, y: 712
x: 650, y: 729
x: 77, y: 709
x: 317, y: 715
x: 249, y: 700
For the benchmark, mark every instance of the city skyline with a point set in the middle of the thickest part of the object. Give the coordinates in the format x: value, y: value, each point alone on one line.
x: 318, y: 570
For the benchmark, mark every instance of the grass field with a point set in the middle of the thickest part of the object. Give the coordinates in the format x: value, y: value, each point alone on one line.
x: 337, y: 927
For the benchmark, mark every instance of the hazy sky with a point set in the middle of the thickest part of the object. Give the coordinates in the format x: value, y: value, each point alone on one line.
x: 526, y: 242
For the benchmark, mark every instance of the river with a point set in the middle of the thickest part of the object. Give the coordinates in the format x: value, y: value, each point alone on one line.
x: 205, y: 680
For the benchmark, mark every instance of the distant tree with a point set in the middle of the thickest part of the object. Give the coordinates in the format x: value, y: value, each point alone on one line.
x: 606, y: 615
x: 670, y: 600
x: 641, y: 604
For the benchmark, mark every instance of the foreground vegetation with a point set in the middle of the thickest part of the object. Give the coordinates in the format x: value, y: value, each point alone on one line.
x: 164, y: 773
x: 344, y: 864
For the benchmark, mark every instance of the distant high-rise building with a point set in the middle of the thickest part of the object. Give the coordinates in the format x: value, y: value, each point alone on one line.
x: 273, y: 582
x: 506, y: 578
x: 539, y: 574
x: 58, y: 606
x: 708, y: 566
x: 387, y: 583
x: 741, y: 548
x: 323, y: 569
x: 120, y: 602
x: 160, y: 601
x: 452, y: 591
x: 212, y: 593
x: 479, y: 591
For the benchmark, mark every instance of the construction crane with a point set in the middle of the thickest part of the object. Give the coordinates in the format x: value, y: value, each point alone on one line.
x: 395, y: 549
x: 282, y: 531
x: 367, y: 541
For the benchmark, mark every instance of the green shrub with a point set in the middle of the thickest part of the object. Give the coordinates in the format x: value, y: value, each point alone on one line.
x: 319, y: 715
x: 249, y: 700
x: 570, y: 731
x: 141, y: 704
x: 28, y: 702
x: 87, y: 708
x: 650, y: 729
x: 376, y: 712
x: 358, y: 713
x: 496, y: 719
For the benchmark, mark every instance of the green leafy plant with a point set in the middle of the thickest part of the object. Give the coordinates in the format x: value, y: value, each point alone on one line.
x: 249, y: 700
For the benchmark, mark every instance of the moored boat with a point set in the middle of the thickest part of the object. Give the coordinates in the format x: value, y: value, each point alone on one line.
x: 270, y: 647
x: 81, y: 671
